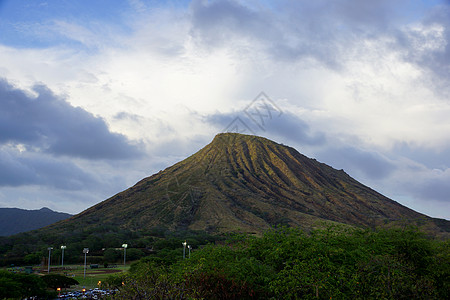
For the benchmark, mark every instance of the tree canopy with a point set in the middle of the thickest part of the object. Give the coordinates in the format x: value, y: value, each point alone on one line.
x: 287, y: 263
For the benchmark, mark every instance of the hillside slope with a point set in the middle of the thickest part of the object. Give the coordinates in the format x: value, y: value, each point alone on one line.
x: 248, y: 184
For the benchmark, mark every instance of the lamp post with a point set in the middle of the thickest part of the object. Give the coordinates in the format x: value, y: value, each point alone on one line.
x: 49, y: 252
x: 85, y: 251
x: 124, y: 246
x: 184, y: 249
x: 62, y: 257
x: 189, y: 248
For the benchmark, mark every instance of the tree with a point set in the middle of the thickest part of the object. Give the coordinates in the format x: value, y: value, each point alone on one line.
x: 111, y: 255
x: 21, y: 285
x: 55, y: 281
x: 134, y: 254
x: 32, y: 258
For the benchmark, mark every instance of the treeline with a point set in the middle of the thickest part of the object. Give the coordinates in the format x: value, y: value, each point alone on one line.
x: 104, y: 243
x: 286, y: 263
x: 21, y: 286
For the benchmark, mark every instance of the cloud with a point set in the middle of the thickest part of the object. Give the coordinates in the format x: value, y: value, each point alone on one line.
x: 358, y: 162
x: 20, y: 169
x: 435, y: 186
x: 294, y: 30
x: 427, y: 44
x: 430, y: 158
x: 49, y: 124
x: 292, y: 127
x: 423, y: 173
x: 220, y: 22
x: 280, y: 126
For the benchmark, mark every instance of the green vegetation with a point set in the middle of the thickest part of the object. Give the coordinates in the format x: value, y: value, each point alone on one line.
x: 55, y: 281
x: 104, y: 244
x: 20, y: 286
x: 286, y: 263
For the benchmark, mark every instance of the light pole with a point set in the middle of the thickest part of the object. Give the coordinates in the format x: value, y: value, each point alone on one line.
x: 124, y: 246
x: 62, y: 257
x: 189, y: 248
x: 49, y: 252
x: 184, y: 249
x: 85, y: 251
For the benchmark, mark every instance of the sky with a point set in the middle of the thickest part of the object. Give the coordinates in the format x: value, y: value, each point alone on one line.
x: 97, y: 94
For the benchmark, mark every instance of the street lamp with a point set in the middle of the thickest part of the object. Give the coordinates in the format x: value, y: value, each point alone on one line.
x: 189, y: 248
x: 124, y: 246
x: 85, y: 251
x: 62, y: 257
x: 49, y: 252
x: 184, y: 249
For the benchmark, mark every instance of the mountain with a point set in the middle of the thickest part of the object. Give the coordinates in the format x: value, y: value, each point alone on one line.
x: 16, y: 220
x: 248, y: 184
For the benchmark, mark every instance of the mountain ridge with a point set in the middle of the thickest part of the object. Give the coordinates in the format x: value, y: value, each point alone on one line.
x: 17, y: 220
x: 248, y: 184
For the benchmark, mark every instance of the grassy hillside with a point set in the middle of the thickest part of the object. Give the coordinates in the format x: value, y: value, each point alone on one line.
x: 247, y: 184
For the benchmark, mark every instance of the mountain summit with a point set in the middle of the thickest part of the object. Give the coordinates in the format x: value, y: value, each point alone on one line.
x: 248, y: 184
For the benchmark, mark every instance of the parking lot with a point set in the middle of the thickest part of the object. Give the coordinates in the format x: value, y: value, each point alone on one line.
x: 87, y: 294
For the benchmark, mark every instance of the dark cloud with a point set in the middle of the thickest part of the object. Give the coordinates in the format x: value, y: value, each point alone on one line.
x: 218, y: 22
x: 326, y: 30
x: 49, y: 124
x: 19, y: 169
x: 293, y: 30
x: 329, y: 32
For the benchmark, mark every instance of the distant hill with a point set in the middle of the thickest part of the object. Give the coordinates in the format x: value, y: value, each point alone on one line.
x: 244, y: 183
x: 16, y: 220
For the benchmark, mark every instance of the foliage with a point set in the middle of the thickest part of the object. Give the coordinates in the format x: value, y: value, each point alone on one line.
x: 103, y: 241
x: 32, y: 258
x: 286, y: 263
x: 111, y: 255
x: 21, y: 285
x: 149, y: 281
x: 55, y: 281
